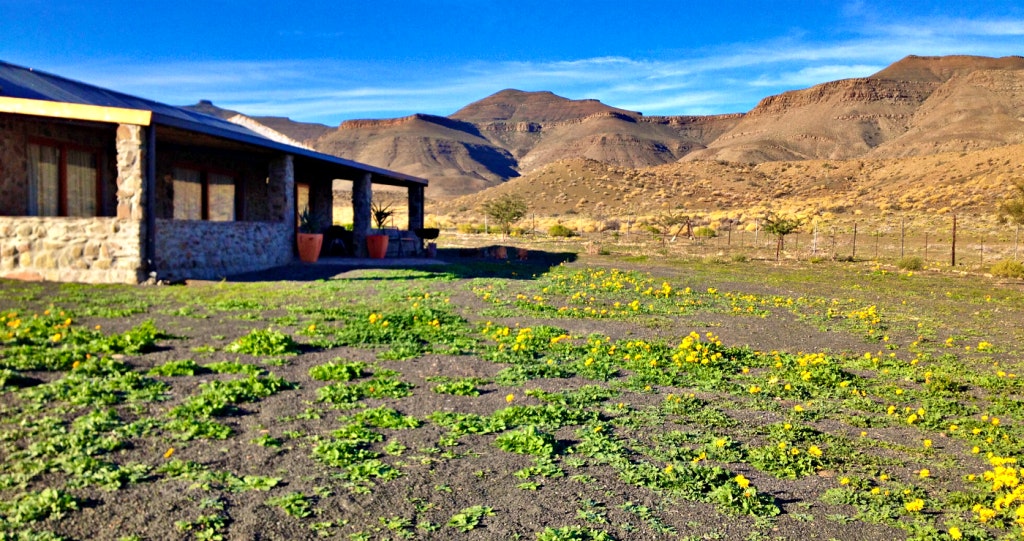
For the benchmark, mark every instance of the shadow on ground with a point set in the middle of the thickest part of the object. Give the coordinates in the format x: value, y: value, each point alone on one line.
x: 460, y: 263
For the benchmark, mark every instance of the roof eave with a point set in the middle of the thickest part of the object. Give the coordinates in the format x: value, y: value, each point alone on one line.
x: 381, y: 176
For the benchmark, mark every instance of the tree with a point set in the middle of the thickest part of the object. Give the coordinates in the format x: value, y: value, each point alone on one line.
x: 780, y: 227
x: 1012, y: 209
x: 673, y: 219
x: 505, y: 210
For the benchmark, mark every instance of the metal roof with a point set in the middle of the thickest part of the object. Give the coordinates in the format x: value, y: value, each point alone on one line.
x: 26, y: 83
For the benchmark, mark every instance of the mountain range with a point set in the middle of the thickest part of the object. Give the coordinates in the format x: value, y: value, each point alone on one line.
x: 917, y: 106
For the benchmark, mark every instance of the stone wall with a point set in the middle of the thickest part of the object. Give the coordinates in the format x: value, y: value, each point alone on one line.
x: 13, y: 166
x: 213, y: 250
x: 97, y: 250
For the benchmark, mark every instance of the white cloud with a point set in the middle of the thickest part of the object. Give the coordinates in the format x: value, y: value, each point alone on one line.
x: 724, y: 78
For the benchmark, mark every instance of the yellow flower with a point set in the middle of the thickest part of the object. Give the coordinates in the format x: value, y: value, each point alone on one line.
x: 798, y: 408
x: 754, y: 389
x: 955, y: 533
x: 925, y: 472
x: 510, y: 397
x: 169, y: 452
x: 814, y: 451
x: 927, y: 443
x: 915, y: 505
x: 743, y: 482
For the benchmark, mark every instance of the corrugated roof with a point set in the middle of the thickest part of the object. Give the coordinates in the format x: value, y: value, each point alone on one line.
x: 26, y: 83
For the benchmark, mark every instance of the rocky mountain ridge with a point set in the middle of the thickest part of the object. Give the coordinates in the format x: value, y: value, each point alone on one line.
x: 915, y: 107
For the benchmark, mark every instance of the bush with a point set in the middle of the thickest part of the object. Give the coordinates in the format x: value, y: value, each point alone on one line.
x: 740, y: 258
x: 1008, y: 268
x: 559, y: 230
x: 910, y: 263
x: 704, y: 232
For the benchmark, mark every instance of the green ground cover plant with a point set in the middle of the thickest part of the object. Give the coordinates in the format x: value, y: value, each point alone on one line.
x: 695, y: 400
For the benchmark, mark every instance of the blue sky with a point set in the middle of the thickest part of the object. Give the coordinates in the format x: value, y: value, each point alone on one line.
x: 330, y: 61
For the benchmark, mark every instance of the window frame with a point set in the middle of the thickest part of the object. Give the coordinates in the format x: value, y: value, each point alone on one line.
x: 62, y: 176
x: 204, y: 186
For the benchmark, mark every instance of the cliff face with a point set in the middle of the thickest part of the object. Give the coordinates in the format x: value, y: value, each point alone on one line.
x: 918, y: 105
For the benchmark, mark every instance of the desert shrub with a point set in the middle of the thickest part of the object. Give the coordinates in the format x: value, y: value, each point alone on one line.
x: 910, y: 263
x: 1008, y: 268
x: 469, y: 228
x: 559, y: 230
x: 740, y: 258
x: 704, y: 232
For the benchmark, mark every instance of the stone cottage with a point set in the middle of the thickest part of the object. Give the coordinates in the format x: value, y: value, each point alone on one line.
x: 99, y: 186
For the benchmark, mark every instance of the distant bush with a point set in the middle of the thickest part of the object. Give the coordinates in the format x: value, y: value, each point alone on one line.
x: 910, y: 263
x: 704, y: 232
x: 740, y: 258
x: 471, y: 229
x: 1008, y: 268
x: 559, y: 230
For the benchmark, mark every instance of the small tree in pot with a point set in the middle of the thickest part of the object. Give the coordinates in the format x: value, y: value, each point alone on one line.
x: 309, y: 239
x: 377, y: 245
x: 381, y: 212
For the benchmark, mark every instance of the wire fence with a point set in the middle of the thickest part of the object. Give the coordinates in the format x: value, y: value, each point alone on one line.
x: 972, y: 244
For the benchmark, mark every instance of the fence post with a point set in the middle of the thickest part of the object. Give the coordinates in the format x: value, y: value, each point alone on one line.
x: 854, y: 256
x: 952, y: 257
x: 926, y: 247
x: 903, y: 235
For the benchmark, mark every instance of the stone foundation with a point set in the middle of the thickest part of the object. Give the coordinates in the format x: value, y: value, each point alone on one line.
x: 213, y: 250
x: 95, y: 250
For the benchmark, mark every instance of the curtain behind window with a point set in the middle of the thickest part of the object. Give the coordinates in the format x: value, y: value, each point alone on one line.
x: 81, y: 183
x: 43, y: 180
x: 188, y: 194
x: 222, y: 198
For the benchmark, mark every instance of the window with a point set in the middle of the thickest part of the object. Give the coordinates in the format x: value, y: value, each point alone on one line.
x: 203, y: 195
x: 63, y: 181
x: 301, y: 199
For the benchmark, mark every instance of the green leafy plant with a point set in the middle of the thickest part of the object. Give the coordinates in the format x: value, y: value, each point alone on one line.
x: 469, y: 518
x: 527, y: 441
x: 264, y: 342
x: 295, y: 504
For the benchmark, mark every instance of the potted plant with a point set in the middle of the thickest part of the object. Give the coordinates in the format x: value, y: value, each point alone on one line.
x: 309, y: 237
x: 377, y: 244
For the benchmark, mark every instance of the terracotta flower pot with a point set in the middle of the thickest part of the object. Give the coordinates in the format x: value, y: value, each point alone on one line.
x: 309, y: 246
x: 377, y: 246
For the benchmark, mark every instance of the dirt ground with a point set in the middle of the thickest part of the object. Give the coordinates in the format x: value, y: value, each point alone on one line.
x: 436, y: 481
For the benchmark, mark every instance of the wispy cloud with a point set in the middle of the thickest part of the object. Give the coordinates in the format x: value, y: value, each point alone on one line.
x: 726, y: 78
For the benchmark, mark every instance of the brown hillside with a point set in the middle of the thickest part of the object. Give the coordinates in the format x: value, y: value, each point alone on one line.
x: 919, y: 105
x: 303, y: 132
x: 452, y: 154
x: 970, y: 111
x: 542, y: 107
x: 511, y: 132
x: 933, y: 184
x: 939, y: 69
